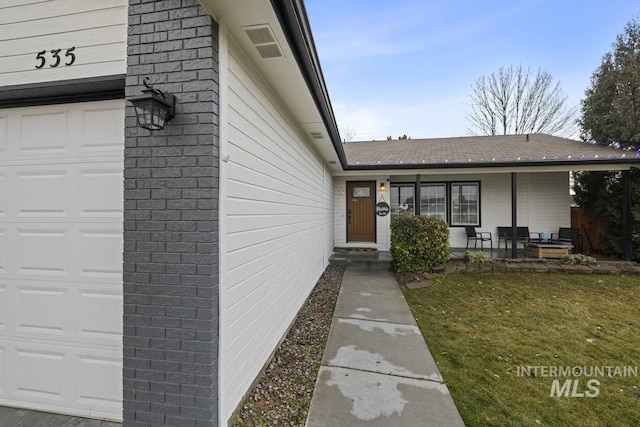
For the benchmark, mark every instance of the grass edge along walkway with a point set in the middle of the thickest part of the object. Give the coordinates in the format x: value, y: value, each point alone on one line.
x: 484, y: 327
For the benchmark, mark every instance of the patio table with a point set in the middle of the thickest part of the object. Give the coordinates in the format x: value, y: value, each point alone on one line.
x: 547, y: 250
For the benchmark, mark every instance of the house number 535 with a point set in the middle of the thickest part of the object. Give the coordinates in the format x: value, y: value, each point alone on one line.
x: 55, y: 57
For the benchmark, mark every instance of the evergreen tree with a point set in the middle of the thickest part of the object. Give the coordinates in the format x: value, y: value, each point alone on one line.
x: 611, y: 116
x: 611, y: 108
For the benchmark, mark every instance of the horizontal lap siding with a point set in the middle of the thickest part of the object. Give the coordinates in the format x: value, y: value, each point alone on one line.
x: 96, y: 28
x: 549, y: 201
x: 329, y: 214
x: 277, y: 233
x: 543, y: 204
x: 383, y: 223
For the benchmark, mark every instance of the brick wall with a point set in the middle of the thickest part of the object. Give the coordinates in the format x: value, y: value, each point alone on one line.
x: 170, y: 226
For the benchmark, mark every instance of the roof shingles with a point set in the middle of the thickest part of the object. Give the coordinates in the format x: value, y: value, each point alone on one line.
x: 481, y: 151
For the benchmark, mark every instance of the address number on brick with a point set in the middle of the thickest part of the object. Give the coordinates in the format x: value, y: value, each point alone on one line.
x: 55, y: 57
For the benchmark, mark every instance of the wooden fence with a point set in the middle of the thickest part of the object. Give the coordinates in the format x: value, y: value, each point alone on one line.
x: 590, y: 227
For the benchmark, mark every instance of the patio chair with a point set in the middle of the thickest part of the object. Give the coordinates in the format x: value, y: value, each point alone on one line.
x: 567, y: 235
x: 478, y: 236
x: 522, y: 236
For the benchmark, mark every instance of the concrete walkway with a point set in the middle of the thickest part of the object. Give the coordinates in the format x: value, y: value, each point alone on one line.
x: 377, y: 369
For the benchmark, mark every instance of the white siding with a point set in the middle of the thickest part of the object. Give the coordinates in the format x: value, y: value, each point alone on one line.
x: 383, y: 223
x: 549, y: 202
x: 96, y: 28
x: 277, y: 241
x: 329, y: 214
x: 543, y: 203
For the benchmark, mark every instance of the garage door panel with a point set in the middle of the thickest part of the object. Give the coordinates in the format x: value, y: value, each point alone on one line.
x: 96, y: 308
x: 3, y: 134
x: 100, y: 192
x: 3, y: 251
x: 76, y: 313
x: 43, y: 193
x: 98, y: 133
x: 100, y: 380
x: 40, y: 373
x: 3, y: 195
x: 3, y: 368
x: 101, y: 253
x: 61, y: 244
x: 3, y: 313
x: 42, y: 310
x: 42, y: 251
x: 44, y: 133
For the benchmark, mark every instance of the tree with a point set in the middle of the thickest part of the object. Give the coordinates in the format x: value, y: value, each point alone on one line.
x: 513, y: 101
x: 611, y: 116
x: 390, y: 138
x: 351, y: 134
x: 611, y: 107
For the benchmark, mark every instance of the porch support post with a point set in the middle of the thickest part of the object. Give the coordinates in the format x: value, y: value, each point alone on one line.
x: 514, y: 215
x: 627, y: 244
x: 417, y: 192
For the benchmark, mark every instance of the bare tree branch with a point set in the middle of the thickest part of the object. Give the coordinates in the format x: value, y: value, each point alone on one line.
x: 513, y: 101
x: 350, y: 135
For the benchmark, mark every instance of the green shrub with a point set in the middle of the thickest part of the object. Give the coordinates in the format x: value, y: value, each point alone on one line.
x: 578, y: 259
x: 418, y: 243
x: 477, y: 257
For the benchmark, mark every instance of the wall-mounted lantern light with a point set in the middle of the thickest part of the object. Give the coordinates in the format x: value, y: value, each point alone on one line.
x: 382, y: 187
x: 153, y: 108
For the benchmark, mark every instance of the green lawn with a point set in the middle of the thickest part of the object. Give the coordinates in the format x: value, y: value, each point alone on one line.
x: 482, y: 327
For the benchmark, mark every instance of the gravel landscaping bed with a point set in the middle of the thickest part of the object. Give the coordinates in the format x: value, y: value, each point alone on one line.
x: 282, y: 395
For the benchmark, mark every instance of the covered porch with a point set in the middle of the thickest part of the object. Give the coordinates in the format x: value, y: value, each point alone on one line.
x: 490, y: 183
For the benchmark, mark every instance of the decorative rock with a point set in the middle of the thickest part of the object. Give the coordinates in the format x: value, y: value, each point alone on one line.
x: 283, y: 393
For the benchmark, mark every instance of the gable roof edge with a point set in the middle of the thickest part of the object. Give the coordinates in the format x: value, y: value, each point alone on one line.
x: 295, y: 25
x: 623, y: 164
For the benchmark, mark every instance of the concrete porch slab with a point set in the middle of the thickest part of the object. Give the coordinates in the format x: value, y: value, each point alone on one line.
x: 347, y: 397
x: 361, y: 344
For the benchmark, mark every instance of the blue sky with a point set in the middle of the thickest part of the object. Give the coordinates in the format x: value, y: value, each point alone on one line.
x: 407, y: 66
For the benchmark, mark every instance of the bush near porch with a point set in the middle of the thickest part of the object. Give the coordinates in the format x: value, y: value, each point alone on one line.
x: 419, y: 243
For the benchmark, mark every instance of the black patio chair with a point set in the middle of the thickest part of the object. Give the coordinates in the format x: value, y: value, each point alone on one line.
x: 477, y: 236
x: 505, y: 233
x: 567, y: 235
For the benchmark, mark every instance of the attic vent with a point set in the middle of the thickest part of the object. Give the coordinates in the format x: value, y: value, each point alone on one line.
x: 265, y: 42
x: 269, y: 51
x: 316, y: 135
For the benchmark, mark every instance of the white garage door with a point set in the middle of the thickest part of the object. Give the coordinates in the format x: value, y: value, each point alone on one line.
x: 61, y: 258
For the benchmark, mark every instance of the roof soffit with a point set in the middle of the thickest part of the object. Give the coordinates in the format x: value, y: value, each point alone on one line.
x: 283, y: 73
